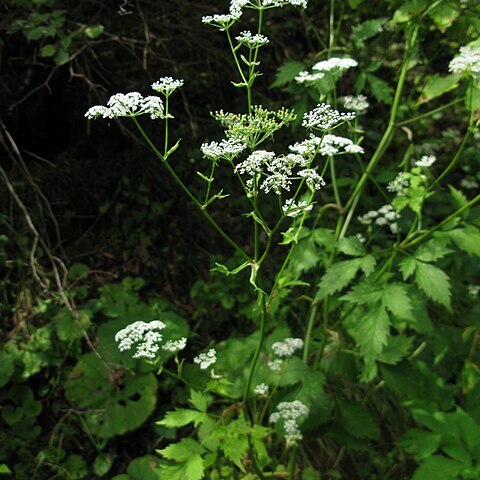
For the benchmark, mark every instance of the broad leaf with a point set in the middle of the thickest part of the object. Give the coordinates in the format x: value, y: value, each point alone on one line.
x: 439, y: 468
x: 434, y: 282
x: 438, y: 85
x: 356, y: 419
x: 338, y: 276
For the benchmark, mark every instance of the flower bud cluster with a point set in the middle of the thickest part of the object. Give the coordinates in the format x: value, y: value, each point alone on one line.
x: 385, y: 215
x: 289, y: 413
x: 251, y: 41
x: 334, y: 64
x: 399, y: 185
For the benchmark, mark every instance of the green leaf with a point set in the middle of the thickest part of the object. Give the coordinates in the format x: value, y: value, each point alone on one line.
x: 407, y: 267
x: 48, y: 50
x: 364, y: 293
x: 76, y: 467
x: 380, y: 89
x: 4, y: 469
x: 459, y: 199
x: 367, y: 264
x: 366, y: 30
x: 356, y: 420
x: 409, y: 9
x: 420, y: 443
x: 355, y: 3
x: 110, y: 410
x: 396, y: 299
x: 61, y: 57
x: 433, y: 250
x: 198, y: 400
x: 93, y: 31
x: 102, y: 464
x: 194, y: 470
x: 396, y: 349
x: 438, y: 85
x: 287, y: 73
x: 181, y: 417
x: 438, y: 467
x: 467, y: 239
x: 144, y: 468
x: 338, y: 276
x: 434, y: 282
x: 443, y: 15
x: 7, y: 367
x: 182, y: 451
x: 351, y: 246
x: 370, y: 330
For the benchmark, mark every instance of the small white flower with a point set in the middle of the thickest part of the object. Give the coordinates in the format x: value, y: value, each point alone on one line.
x: 143, y: 335
x: 252, y: 41
x: 223, y: 21
x: 261, y: 389
x: 354, y: 149
x: 167, y: 85
x: 288, y: 347
x: 289, y: 413
x: 324, y: 117
x: 357, y: 103
x: 207, y: 359
x: 175, y: 345
x: 426, y: 161
x: 312, y: 177
x: 276, y: 182
x: 335, y: 63
x: 306, y: 77
x: 275, y: 365
x: 468, y: 61
x: 255, y: 162
x: 97, y: 111
x: 227, y: 149
x: 399, y: 185
x: 306, y: 147
x: 292, y: 209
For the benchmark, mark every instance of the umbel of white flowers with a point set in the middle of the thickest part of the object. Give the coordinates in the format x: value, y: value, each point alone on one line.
x: 146, y: 338
x: 134, y: 104
x: 289, y: 413
x: 468, y: 61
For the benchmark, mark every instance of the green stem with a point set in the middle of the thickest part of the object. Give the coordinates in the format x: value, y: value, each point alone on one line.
x: 190, y: 195
x: 166, y: 129
x: 292, y: 463
x: 428, y: 114
x: 334, y: 183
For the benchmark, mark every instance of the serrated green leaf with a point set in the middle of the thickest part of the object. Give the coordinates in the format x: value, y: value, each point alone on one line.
x: 198, y: 400
x: 94, y: 31
x: 407, y: 266
x: 467, y: 239
x: 420, y: 443
x: 364, y: 293
x: 181, y: 417
x: 444, y: 15
x: 194, y: 468
x: 61, y: 57
x: 396, y: 299
x: 102, y: 464
x: 351, y: 246
x: 438, y: 85
x: 438, y: 467
x: 287, y: 73
x: 368, y: 264
x: 356, y: 419
x: 370, y: 330
x: 434, y: 282
x: 433, y: 250
x: 396, y: 349
x: 459, y: 199
x: 338, y: 276
x: 380, y: 89
x: 182, y: 451
x: 7, y: 367
x: 366, y: 30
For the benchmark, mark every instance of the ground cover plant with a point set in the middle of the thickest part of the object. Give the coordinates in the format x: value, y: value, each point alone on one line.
x: 334, y: 332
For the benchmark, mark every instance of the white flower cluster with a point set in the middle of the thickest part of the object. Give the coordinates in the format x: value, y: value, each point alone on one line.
x: 226, y: 149
x: 335, y: 63
x: 167, y: 85
x: 473, y: 290
x: 332, y: 64
x: 468, y: 61
x: 324, y: 117
x: 206, y: 359
x: 144, y: 335
x: 292, y: 209
x: 332, y: 145
x: 307, y: 146
x: 288, y: 347
x: 252, y: 41
x: 399, y: 185
x: 175, y: 345
x: 289, y: 413
x: 385, y: 215
x: 357, y: 103
x: 278, y: 171
x: 275, y: 365
x: 130, y: 104
x: 261, y: 389
x: 221, y: 21
x: 426, y: 161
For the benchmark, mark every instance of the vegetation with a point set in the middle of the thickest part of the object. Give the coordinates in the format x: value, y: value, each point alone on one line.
x: 264, y: 265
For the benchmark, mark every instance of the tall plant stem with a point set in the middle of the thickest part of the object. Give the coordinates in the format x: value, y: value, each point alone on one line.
x: 190, y: 195
x: 387, y: 136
